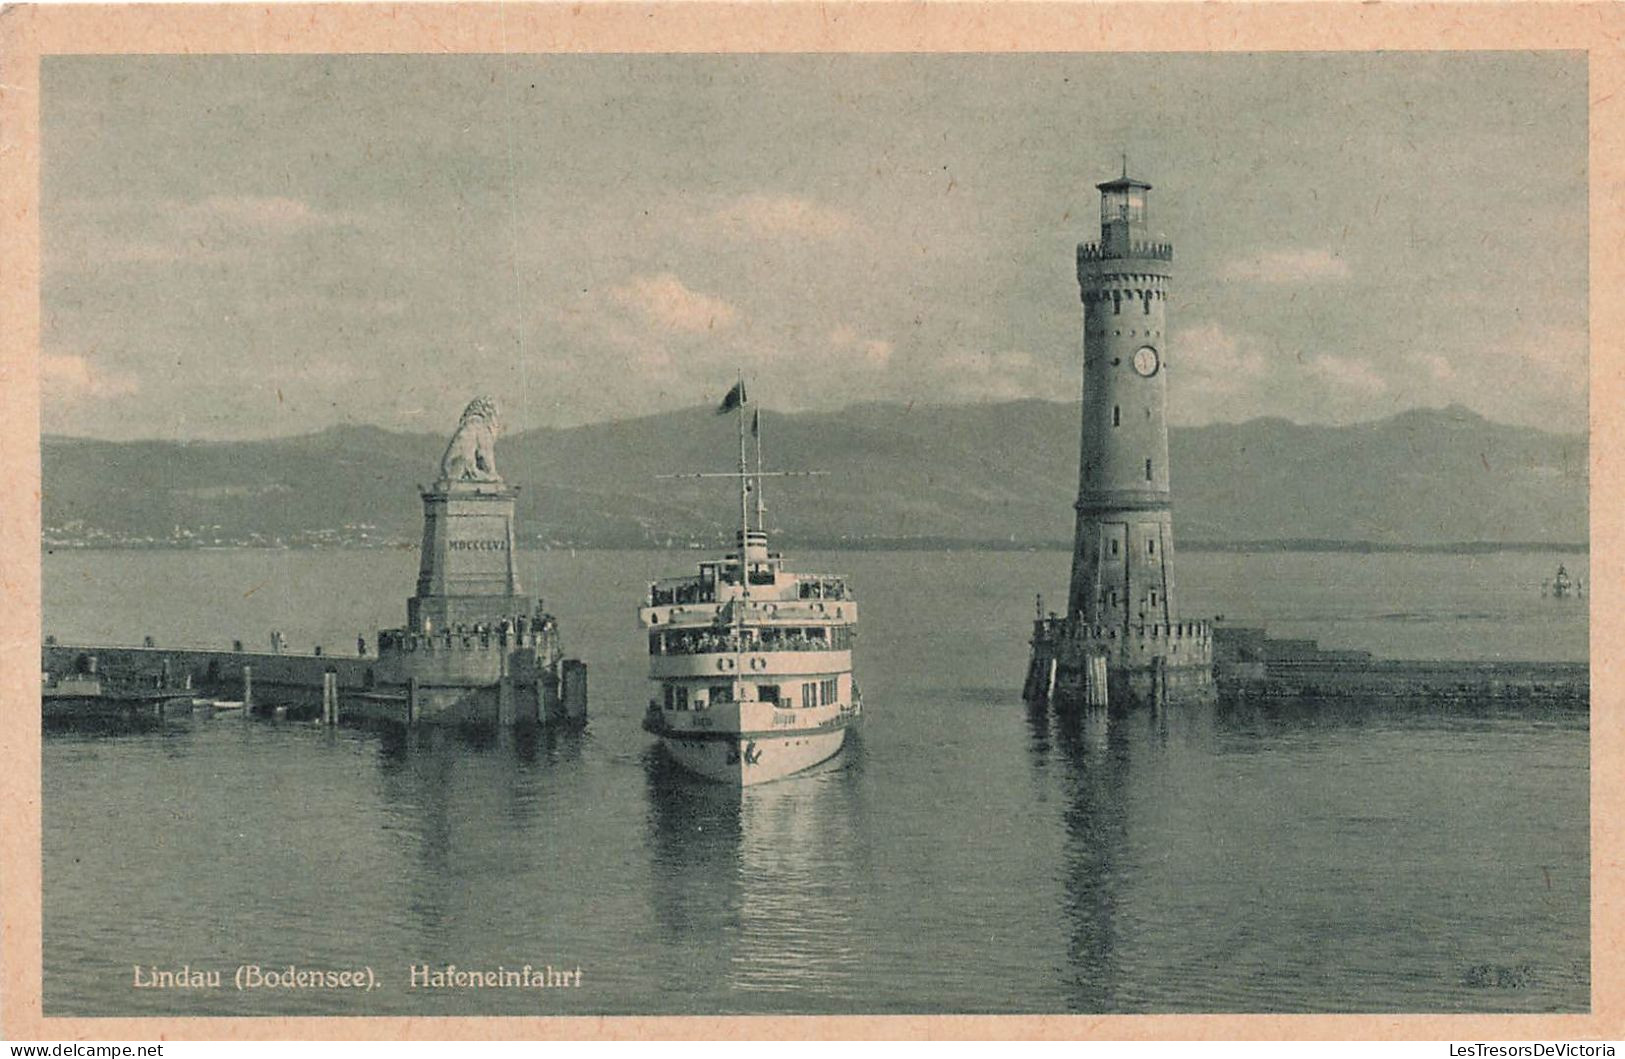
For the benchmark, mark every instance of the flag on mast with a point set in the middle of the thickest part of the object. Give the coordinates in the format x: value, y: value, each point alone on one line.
x: 735, y: 398
x: 756, y: 427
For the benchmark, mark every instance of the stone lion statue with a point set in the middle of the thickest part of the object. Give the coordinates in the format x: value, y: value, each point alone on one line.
x: 471, y: 455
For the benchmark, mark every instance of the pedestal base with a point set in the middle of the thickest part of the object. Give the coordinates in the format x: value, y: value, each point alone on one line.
x: 1078, y: 666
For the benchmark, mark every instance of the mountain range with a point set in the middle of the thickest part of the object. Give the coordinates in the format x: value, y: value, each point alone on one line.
x: 998, y: 475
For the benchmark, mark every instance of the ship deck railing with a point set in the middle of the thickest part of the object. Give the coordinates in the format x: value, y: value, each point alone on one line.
x: 656, y: 706
x: 667, y: 594
x: 688, y: 591
x: 821, y: 586
x: 716, y: 643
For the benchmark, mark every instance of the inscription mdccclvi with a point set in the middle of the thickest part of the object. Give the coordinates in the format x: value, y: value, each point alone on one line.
x: 478, y: 546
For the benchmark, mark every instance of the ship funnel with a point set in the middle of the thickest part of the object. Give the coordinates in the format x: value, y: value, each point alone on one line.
x: 754, y: 545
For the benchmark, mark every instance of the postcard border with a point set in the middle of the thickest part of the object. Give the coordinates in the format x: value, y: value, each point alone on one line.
x: 28, y: 33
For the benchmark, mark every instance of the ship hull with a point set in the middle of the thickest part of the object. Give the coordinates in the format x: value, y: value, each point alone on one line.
x: 745, y: 760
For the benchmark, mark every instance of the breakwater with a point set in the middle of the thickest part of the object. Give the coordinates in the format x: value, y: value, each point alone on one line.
x: 1250, y: 664
x: 485, y: 680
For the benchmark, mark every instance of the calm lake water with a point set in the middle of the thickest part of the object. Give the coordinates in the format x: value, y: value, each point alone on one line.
x: 963, y: 854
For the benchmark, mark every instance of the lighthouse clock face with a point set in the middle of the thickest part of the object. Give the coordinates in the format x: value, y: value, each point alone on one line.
x: 1145, y: 361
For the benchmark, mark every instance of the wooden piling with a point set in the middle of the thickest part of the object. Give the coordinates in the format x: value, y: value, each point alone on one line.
x: 505, y: 712
x: 1096, y: 690
x: 574, y: 692
x: 412, y: 713
x: 330, y: 697
x: 248, y: 690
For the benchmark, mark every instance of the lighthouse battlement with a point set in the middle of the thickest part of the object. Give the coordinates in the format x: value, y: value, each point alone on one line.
x: 1092, y: 252
x: 1055, y: 630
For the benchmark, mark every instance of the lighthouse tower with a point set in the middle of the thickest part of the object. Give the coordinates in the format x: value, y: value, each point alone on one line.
x: 1122, y: 559
x: 1122, y: 621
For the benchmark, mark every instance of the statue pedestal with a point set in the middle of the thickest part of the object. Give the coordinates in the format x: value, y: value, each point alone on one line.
x: 466, y: 574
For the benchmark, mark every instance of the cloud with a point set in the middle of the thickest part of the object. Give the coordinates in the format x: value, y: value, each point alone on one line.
x: 320, y: 370
x: 268, y: 213
x: 778, y: 216
x: 665, y: 301
x: 1560, y: 357
x: 875, y: 352
x: 1005, y: 375
x: 68, y: 377
x: 1215, y: 374
x: 1347, y: 374
x: 1221, y: 360
x: 101, y: 231
x: 1286, y: 266
x: 1439, y: 367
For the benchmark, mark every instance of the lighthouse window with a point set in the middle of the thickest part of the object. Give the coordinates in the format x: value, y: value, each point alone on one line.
x: 1117, y: 415
x: 1151, y: 548
x: 1148, y: 470
x: 1114, y: 545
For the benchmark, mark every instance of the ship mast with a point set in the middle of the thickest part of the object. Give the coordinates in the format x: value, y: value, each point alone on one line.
x: 746, y: 477
x: 761, y: 506
x: 744, y: 493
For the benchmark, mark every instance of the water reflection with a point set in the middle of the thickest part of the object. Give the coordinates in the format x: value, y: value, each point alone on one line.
x: 757, y: 885
x: 170, y: 726
x: 694, y: 850
x: 464, y: 807
x: 1092, y: 749
x: 1104, y: 764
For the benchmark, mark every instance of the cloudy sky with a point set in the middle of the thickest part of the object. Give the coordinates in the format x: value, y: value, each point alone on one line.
x: 256, y: 246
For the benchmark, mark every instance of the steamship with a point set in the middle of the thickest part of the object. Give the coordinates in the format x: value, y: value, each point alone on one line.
x: 751, y: 662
